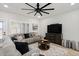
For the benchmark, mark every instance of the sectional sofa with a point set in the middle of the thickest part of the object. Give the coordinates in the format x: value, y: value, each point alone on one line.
x: 28, y: 37
x: 8, y: 46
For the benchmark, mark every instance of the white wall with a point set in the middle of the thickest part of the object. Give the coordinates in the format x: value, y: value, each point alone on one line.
x: 70, y: 25
x: 10, y: 18
x: 69, y: 21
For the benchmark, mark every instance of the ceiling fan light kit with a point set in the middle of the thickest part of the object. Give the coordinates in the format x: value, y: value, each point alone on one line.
x: 38, y: 9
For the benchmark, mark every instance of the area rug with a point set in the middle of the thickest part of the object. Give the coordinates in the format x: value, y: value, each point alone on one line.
x: 55, y: 50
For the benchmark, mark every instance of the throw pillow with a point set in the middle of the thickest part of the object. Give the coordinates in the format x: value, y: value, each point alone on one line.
x: 26, y: 35
x: 19, y: 37
x: 13, y: 38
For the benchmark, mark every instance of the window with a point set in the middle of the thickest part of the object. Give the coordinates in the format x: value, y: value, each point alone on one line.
x: 24, y: 28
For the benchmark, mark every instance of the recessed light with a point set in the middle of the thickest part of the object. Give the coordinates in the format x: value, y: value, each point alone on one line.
x: 6, y: 6
x: 72, y: 4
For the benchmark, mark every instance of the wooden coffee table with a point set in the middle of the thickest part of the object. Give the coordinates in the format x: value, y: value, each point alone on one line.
x: 43, y: 44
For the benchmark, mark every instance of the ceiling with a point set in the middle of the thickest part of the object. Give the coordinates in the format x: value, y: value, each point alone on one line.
x: 59, y: 8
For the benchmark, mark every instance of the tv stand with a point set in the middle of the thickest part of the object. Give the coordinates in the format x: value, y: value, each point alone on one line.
x: 54, y: 38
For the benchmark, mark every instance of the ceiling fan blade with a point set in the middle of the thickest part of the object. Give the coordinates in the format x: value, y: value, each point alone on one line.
x: 27, y: 9
x: 35, y: 13
x: 49, y: 9
x: 30, y: 5
x: 45, y: 12
x: 30, y: 12
x: 37, y: 5
x: 40, y: 13
x: 45, y: 5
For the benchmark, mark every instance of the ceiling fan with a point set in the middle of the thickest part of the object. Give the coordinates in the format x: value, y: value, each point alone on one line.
x: 38, y: 9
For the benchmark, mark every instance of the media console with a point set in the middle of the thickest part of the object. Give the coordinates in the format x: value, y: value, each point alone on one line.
x: 54, y: 38
x: 54, y: 33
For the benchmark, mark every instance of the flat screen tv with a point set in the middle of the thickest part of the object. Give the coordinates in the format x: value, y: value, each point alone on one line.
x: 54, y: 28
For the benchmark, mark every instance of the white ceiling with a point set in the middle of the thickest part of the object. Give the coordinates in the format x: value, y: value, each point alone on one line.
x: 59, y: 8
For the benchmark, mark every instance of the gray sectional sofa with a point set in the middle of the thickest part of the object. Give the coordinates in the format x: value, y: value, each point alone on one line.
x: 29, y: 38
x: 7, y: 47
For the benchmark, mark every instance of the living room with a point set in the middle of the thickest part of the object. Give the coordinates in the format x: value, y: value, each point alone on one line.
x: 14, y: 20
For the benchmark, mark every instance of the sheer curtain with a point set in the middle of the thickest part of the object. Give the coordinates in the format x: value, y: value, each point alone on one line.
x: 24, y: 27
x: 18, y: 28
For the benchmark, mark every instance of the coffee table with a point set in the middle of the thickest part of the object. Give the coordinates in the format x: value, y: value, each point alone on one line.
x: 43, y: 44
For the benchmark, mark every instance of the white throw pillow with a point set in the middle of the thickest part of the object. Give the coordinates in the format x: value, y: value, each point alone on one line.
x: 19, y: 37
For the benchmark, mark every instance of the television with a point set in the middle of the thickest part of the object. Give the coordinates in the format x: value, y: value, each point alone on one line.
x: 54, y: 28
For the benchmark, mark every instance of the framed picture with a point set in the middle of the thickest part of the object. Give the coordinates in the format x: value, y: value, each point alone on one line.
x: 35, y: 27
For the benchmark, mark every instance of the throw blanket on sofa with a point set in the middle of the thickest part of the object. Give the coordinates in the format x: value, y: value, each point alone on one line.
x: 7, y: 48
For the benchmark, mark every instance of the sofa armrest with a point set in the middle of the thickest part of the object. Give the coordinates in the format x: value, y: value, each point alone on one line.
x: 22, y: 47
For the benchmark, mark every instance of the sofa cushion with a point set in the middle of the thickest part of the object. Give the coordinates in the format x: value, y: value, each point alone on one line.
x: 29, y: 40
x: 32, y: 34
x: 26, y: 35
x: 13, y: 38
x: 22, y: 47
